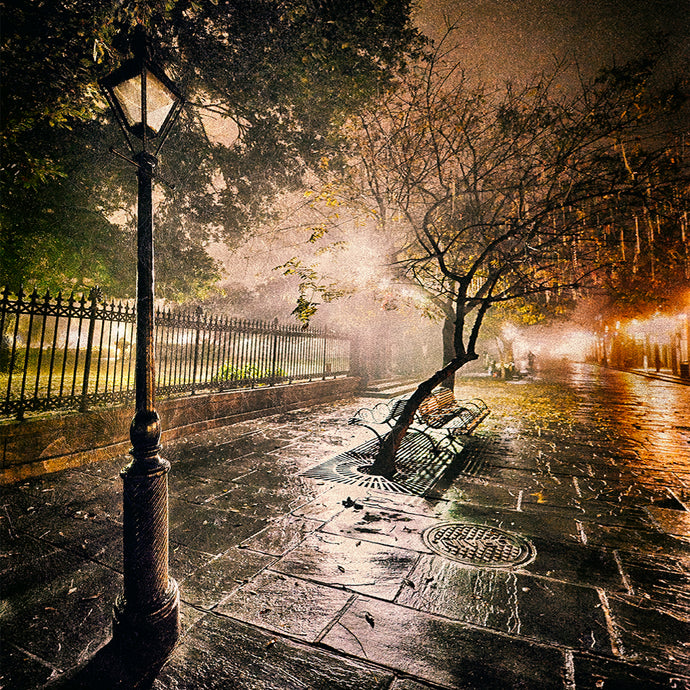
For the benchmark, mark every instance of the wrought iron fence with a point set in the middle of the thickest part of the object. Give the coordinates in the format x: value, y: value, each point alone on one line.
x: 79, y: 352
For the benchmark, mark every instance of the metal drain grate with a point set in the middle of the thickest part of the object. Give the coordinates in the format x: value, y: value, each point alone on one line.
x: 486, y: 547
x: 346, y: 470
x: 419, y: 466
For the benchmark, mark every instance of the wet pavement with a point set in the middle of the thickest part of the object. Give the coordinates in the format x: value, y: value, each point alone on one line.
x: 293, y: 582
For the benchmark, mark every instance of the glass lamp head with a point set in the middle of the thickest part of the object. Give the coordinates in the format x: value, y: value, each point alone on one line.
x: 144, y: 100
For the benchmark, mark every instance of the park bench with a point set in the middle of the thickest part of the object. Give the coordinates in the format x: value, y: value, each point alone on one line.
x: 441, y: 410
x: 432, y: 442
x: 440, y: 415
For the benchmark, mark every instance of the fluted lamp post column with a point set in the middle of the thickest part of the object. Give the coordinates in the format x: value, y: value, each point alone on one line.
x: 146, y: 103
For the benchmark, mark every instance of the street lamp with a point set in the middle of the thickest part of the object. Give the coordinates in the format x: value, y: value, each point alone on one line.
x: 146, y: 104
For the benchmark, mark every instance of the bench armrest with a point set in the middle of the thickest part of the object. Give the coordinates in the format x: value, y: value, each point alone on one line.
x: 381, y: 413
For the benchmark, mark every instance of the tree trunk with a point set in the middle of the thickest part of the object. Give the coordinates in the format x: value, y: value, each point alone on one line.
x: 384, y: 464
x: 449, y: 347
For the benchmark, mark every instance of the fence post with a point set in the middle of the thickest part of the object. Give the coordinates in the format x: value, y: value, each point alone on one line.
x: 4, y: 342
x: 13, y: 354
x: 274, y: 353
x: 95, y: 295
x: 325, y: 346
x: 33, y: 304
x: 199, y: 312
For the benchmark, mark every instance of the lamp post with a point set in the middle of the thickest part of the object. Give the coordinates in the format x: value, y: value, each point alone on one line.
x: 146, y: 104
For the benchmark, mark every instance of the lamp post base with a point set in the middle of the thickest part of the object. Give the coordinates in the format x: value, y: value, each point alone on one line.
x: 153, y: 631
x: 147, y: 612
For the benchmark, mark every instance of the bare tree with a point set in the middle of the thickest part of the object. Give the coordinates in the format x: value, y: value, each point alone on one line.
x: 499, y: 191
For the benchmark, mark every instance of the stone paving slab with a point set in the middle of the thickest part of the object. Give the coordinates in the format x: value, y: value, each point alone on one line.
x: 407, y: 684
x: 553, y: 525
x: 195, y: 489
x: 426, y: 506
x: 214, y: 530
x: 215, y: 578
x: 662, y: 580
x: 674, y: 522
x: 480, y: 491
x: 382, y: 526
x: 575, y: 563
x: 651, y: 541
x: 184, y: 560
x: 512, y: 602
x: 50, y: 586
x: 443, y: 651
x: 225, y: 654
x: 596, y: 673
x: 288, y: 605
x: 281, y: 535
x: 651, y: 636
x: 328, y: 504
x: 263, y: 502
x: 22, y: 669
x: 355, y: 565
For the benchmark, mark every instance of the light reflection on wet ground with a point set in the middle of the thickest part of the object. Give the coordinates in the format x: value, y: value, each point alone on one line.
x: 628, y: 434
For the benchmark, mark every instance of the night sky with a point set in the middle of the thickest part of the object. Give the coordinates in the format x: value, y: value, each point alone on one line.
x: 510, y: 38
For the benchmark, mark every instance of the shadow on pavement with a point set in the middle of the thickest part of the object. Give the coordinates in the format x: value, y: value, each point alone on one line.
x: 117, y: 665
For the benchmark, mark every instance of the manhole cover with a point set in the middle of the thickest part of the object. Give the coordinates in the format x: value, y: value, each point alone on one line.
x: 486, y: 547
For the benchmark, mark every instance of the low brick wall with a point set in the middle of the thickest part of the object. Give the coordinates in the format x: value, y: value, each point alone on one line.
x: 39, y: 446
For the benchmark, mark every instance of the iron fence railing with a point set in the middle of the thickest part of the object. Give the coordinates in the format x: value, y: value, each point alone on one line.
x: 79, y: 352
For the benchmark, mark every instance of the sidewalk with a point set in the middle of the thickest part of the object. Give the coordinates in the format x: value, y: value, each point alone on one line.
x: 581, y: 480
x: 662, y: 375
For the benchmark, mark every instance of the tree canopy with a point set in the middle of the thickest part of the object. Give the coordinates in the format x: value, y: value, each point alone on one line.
x: 288, y: 72
x: 518, y: 194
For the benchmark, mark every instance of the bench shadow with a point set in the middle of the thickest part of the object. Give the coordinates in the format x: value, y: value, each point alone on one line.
x: 471, y: 461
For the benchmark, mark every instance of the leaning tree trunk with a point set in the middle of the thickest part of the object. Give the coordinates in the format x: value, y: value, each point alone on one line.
x: 384, y: 464
x: 449, y: 347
